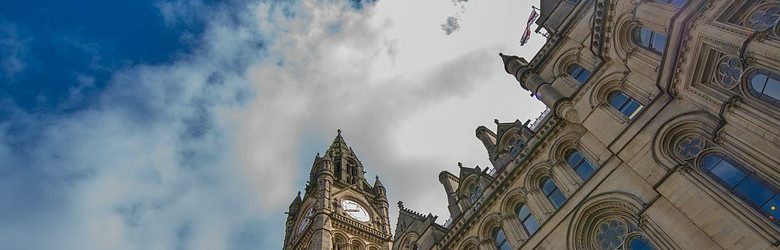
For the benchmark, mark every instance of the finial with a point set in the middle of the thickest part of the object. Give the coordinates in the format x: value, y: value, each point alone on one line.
x: 377, y: 177
x: 495, y: 120
x: 299, y: 193
x: 460, y: 164
x: 400, y: 204
x: 338, y: 131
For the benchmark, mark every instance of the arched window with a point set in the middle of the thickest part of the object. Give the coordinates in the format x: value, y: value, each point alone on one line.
x: 765, y: 85
x: 552, y: 192
x: 499, y: 238
x: 677, y: 3
x: 649, y: 39
x: 616, y: 234
x: 579, y: 73
x: 528, y: 220
x: 625, y: 104
x: 580, y: 165
x: 474, y: 193
x: 515, y: 145
x: 759, y: 193
x: 639, y: 243
x: 338, y: 244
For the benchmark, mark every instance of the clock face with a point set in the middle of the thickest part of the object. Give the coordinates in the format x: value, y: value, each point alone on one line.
x: 354, y: 210
x: 305, y: 220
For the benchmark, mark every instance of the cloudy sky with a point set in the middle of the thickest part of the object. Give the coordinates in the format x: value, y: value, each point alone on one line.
x: 191, y: 124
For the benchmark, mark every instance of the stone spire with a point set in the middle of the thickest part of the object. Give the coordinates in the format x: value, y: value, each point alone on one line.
x: 296, y: 204
x: 346, y: 166
x: 378, y: 184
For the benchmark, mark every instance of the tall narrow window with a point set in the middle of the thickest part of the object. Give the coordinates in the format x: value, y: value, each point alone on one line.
x: 529, y: 222
x: 757, y: 192
x: 580, y: 165
x: 649, y: 39
x: 625, y: 104
x: 677, y: 3
x: 499, y: 238
x: 552, y: 192
x: 765, y: 85
x: 475, y: 192
x: 578, y: 72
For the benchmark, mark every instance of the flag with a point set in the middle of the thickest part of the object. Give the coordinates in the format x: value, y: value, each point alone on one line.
x: 527, y: 33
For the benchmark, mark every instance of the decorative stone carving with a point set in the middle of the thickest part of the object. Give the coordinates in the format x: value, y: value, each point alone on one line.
x: 730, y: 70
x: 610, y: 234
x: 690, y: 147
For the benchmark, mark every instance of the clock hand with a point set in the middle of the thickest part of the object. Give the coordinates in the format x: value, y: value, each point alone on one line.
x: 351, y: 210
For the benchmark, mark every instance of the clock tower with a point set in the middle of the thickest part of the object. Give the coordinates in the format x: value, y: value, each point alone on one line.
x: 340, y: 209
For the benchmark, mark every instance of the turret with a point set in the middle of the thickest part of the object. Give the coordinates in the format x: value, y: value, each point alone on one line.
x: 531, y: 81
x: 488, y: 139
x: 450, y: 183
x: 384, y: 207
x: 379, y: 189
x: 292, y: 210
x: 295, y: 205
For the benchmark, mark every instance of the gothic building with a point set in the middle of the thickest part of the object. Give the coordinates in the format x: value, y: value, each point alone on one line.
x: 340, y: 209
x: 662, y: 132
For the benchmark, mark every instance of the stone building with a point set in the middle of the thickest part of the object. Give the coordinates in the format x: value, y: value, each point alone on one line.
x: 340, y: 209
x: 662, y: 132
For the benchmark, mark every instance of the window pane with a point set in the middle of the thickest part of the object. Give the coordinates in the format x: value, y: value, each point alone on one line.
x: 644, y: 36
x: 630, y: 109
x: 585, y: 171
x: 755, y: 190
x: 772, y: 88
x: 659, y: 42
x: 758, y: 81
x: 618, y: 99
x: 710, y: 161
x: 773, y: 208
x: 574, y: 70
x: 523, y: 211
x: 531, y: 225
x: 548, y: 186
x: 500, y: 240
x: 728, y: 173
x: 500, y: 236
x: 679, y: 3
x: 557, y: 198
x: 574, y: 158
x: 583, y: 76
x: 639, y: 243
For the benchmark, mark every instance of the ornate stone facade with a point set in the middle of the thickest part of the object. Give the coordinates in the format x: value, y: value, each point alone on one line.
x: 662, y: 132
x: 340, y: 209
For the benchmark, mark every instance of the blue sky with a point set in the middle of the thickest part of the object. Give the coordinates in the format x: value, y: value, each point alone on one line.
x: 191, y: 124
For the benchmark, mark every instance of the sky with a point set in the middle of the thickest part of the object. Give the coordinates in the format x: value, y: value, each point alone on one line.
x: 192, y: 124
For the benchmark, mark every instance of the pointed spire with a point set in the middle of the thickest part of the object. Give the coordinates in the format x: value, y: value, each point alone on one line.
x: 338, y: 144
x: 296, y: 203
x: 298, y: 198
x: 377, y: 183
x: 512, y: 63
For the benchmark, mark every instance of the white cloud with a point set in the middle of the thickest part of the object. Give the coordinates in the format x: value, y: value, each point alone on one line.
x: 202, y: 153
x: 13, y: 51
